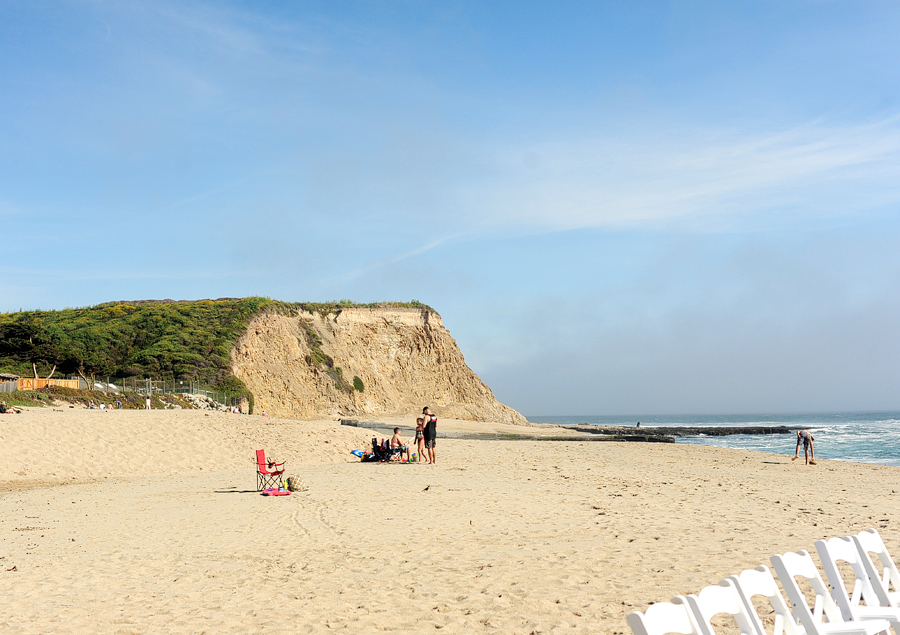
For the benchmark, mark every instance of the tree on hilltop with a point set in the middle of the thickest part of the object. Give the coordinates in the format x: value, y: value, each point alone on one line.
x: 32, y: 343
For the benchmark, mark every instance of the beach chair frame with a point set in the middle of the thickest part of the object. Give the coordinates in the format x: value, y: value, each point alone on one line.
x: 665, y: 617
x: 869, y: 541
x: 800, y: 563
x: 723, y: 598
x: 266, y: 478
x: 835, y: 550
x: 760, y: 581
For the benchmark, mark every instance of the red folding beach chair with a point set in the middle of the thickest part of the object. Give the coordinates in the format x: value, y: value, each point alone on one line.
x: 268, y: 474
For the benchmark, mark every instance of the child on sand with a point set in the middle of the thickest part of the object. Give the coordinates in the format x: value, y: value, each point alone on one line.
x: 397, y: 442
x: 420, y: 436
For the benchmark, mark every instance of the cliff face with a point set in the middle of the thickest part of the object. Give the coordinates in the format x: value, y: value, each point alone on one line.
x: 304, y: 365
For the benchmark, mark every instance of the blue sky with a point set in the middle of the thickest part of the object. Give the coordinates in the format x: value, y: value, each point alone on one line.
x: 634, y: 207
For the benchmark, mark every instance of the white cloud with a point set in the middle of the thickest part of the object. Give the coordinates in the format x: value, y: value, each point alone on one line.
x: 390, y: 260
x: 700, y: 177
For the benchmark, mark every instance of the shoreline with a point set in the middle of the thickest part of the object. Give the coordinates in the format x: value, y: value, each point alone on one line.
x: 46, y: 453
x: 506, y: 537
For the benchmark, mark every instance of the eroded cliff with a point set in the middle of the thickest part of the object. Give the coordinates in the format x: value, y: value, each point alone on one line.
x: 306, y: 364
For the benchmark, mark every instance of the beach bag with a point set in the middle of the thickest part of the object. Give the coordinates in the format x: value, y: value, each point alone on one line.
x: 296, y: 484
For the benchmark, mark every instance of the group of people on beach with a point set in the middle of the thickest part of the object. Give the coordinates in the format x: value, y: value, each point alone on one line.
x: 426, y: 436
x: 116, y: 405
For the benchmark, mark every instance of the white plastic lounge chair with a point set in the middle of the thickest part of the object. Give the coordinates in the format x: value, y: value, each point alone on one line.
x: 759, y: 581
x: 665, y: 617
x: 722, y: 598
x: 800, y: 563
x: 835, y: 550
x: 867, y: 542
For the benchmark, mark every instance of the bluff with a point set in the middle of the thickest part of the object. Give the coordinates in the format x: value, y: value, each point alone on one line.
x: 360, y: 361
x: 292, y: 359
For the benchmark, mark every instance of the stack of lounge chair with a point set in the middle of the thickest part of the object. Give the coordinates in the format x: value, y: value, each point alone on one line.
x: 873, y: 605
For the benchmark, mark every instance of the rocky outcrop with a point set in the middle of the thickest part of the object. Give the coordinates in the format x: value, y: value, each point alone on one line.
x: 681, y: 431
x: 361, y: 362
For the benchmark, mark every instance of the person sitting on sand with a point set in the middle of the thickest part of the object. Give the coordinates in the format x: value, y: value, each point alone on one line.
x: 804, y: 437
x: 420, y: 436
x: 397, y: 442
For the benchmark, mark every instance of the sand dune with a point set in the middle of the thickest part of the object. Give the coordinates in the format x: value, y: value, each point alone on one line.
x: 507, y: 537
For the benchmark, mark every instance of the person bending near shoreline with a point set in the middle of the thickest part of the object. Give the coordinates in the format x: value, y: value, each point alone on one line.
x: 804, y: 437
x: 430, y: 432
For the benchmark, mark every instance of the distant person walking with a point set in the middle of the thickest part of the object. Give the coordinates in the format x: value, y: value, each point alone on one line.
x: 147, y: 407
x: 430, y: 433
x: 809, y: 453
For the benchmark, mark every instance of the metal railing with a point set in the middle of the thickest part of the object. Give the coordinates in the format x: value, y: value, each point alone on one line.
x: 149, y: 386
x: 145, y: 386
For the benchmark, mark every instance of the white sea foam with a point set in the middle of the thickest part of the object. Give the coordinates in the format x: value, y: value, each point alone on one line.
x: 860, y: 437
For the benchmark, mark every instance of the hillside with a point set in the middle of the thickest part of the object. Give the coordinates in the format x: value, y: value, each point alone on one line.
x: 292, y: 359
x: 178, y: 340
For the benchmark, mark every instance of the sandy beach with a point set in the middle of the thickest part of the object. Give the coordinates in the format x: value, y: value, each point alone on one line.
x: 148, y: 522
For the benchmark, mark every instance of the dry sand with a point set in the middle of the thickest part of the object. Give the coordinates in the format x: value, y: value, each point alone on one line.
x: 157, y: 527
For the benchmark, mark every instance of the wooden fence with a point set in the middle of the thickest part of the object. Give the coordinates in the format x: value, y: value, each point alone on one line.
x: 30, y: 383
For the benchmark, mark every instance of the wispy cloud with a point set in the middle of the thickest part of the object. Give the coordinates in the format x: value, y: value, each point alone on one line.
x: 384, y: 262
x: 195, y: 198
x: 701, y: 177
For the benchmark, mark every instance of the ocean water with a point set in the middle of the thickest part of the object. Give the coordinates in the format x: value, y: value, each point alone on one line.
x: 869, y: 437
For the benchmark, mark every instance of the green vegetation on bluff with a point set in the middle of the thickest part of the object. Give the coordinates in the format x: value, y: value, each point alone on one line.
x: 159, y: 338
x: 332, y: 308
x: 182, y: 340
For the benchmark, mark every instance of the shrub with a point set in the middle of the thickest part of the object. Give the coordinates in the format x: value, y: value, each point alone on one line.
x: 25, y: 398
x: 358, y: 384
x: 233, y: 387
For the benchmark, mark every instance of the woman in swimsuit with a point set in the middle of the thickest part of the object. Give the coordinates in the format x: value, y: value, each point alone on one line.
x: 420, y: 436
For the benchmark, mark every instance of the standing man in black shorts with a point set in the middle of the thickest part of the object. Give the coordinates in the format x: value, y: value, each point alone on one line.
x: 430, y: 432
